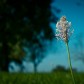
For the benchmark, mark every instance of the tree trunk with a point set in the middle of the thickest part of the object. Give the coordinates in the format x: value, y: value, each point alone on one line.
x: 35, y: 67
x: 5, y: 58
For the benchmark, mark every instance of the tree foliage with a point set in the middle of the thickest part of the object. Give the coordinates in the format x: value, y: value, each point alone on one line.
x: 23, y: 22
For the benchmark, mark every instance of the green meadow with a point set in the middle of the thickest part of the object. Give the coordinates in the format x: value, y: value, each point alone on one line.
x: 40, y: 78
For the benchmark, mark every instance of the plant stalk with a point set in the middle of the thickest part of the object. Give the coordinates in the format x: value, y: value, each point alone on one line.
x: 69, y: 60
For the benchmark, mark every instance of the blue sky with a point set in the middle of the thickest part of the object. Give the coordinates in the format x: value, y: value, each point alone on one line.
x: 57, y: 54
x: 74, y: 14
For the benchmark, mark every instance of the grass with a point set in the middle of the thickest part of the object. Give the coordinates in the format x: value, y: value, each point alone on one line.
x: 40, y: 78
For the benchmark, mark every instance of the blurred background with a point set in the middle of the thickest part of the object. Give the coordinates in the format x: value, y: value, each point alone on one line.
x: 27, y: 35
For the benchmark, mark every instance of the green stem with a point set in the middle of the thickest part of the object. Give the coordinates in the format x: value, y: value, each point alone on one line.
x: 69, y: 60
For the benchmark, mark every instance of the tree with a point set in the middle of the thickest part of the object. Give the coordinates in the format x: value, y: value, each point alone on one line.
x: 60, y: 68
x: 43, y: 32
x: 23, y: 20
